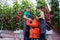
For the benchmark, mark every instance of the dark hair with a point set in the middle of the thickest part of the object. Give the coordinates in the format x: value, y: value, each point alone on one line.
x: 42, y: 7
x: 28, y: 7
x: 38, y: 7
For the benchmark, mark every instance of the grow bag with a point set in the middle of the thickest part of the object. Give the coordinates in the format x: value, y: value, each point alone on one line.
x: 34, y: 33
x: 32, y: 23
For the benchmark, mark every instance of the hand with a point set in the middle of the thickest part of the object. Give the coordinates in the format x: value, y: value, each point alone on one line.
x: 29, y: 19
x: 37, y: 18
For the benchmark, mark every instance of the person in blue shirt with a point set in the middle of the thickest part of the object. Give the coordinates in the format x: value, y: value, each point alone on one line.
x: 26, y: 28
x: 42, y: 22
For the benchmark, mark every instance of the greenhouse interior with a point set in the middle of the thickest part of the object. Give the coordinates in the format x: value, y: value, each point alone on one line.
x: 32, y: 16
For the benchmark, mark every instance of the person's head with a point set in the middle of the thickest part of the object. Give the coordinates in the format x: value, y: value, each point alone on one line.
x: 28, y: 9
x: 38, y: 9
x: 42, y: 8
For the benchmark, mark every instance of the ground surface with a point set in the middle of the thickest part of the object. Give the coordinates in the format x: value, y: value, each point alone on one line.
x: 10, y: 35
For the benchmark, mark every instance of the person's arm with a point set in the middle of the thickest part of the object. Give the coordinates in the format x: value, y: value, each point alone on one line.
x: 26, y: 17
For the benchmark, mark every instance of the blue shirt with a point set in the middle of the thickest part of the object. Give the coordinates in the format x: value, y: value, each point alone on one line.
x: 27, y: 14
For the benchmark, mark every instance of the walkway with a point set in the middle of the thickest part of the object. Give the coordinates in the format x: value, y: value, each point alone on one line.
x: 10, y: 35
